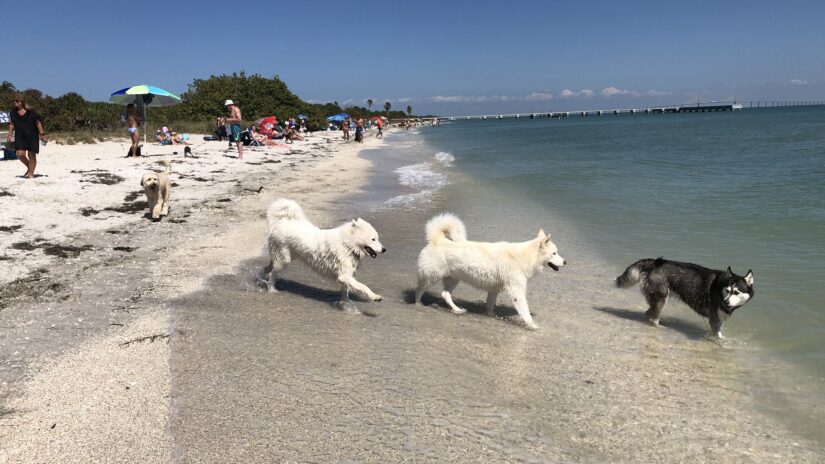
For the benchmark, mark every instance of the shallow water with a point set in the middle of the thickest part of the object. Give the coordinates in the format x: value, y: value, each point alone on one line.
x: 289, y: 376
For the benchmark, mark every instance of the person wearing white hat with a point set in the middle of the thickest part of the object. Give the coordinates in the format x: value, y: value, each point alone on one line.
x: 234, y: 121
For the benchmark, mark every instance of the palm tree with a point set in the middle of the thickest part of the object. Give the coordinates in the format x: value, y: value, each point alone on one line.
x: 7, y: 86
x: 387, y: 107
x: 369, y: 104
x: 409, y: 110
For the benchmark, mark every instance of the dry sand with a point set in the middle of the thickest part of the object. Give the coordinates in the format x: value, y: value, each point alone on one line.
x: 88, y: 376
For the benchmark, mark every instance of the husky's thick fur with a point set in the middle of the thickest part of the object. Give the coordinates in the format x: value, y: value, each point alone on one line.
x: 494, y: 267
x: 711, y: 293
x: 158, y: 189
x: 332, y: 253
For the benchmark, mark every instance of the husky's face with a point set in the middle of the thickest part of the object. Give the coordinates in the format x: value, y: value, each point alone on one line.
x: 738, y: 291
x: 548, y: 253
x: 366, y: 238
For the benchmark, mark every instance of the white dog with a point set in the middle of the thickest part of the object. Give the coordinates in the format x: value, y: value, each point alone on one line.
x: 158, y: 189
x: 493, y: 267
x: 332, y: 253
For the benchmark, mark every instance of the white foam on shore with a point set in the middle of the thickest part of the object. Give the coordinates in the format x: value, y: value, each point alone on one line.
x: 427, y: 177
x: 445, y: 158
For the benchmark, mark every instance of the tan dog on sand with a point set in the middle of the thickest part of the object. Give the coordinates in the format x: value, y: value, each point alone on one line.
x: 158, y: 188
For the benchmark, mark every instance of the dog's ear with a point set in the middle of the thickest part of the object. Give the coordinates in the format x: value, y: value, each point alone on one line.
x: 729, y: 271
x: 354, y: 222
x: 541, y: 234
x: 141, y: 182
x: 749, y: 278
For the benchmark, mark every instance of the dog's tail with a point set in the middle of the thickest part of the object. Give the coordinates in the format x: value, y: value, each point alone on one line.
x: 167, y: 165
x: 447, y: 226
x: 635, y: 271
x: 284, y: 209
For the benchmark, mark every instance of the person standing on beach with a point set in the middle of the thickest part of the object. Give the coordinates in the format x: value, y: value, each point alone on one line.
x: 234, y: 121
x: 380, y: 123
x: 359, y: 130
x: 345, y: 128
x: 28, y: 131
x: 132, y: 125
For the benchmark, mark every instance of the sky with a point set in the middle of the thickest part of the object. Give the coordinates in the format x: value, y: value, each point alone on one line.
x: 443, y: 57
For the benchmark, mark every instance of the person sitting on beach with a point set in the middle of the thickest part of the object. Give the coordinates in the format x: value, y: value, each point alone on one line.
x: 162, y: 137
x: 176, y: 139
x: 291, y: 134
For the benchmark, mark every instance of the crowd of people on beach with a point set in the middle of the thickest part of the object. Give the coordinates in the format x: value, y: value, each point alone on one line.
x: 26, y: 131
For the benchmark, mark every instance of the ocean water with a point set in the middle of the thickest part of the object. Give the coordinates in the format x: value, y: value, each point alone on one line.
x: 743, y: 189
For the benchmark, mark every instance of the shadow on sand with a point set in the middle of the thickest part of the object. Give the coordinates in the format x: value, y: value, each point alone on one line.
x: 686, y: 328
x: 479, y: 308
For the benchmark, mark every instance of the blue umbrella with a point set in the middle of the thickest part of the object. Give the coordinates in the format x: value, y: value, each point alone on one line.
x: 338, y: 117
x: 144, y: 95
x: 302, y: 116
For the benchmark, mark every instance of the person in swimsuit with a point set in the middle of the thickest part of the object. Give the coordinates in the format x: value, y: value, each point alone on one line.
x: 234, y: 121
x: 132, y: 125
x: 345, y: 128
x: 28, y: 131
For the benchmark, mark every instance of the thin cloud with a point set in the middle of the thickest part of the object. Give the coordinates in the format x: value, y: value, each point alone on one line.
x: 798, y: 82
x: 611, y: 91
x: 405, y: 100
x: 567, y: 93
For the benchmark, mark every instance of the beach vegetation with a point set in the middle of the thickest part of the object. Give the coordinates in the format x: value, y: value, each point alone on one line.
x: 71, y: 117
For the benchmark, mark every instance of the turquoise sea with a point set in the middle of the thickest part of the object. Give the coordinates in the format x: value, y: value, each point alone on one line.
x: 743, y: 189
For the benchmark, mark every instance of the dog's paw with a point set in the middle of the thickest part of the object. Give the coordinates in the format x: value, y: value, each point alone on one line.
x: 459, y: 311
x: 532, y: 326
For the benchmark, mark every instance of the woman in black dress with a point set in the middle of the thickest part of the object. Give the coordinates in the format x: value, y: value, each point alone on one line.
x: 28, y: 131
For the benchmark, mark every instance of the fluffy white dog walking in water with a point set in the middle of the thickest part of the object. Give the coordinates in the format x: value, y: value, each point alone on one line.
x: 494, y: 267
x: 332, y: 253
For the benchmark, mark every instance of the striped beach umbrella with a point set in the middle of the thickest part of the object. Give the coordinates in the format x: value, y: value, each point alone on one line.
x: 144, y: 95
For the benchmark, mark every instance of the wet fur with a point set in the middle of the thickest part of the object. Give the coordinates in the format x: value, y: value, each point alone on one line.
x: 710, y: 293
x: 331, y: 253
x: 493, y: 267
x: 158, y: 189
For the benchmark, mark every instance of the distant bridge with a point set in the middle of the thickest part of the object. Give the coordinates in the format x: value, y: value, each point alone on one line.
x: 695, y: 108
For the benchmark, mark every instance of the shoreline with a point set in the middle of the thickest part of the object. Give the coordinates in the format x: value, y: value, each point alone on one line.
x: 94, y: 376
x: 587, y: 370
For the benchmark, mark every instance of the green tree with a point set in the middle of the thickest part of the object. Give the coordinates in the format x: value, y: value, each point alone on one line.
x: 409, y: 110
x: 387, y: 106
x: 369, y: 104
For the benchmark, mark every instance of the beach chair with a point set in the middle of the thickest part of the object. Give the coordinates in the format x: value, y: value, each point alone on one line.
x: 249, y: 135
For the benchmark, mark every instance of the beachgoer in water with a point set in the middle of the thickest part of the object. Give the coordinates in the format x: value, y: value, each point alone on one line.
x: 132, y: 125
x: 28, y: 131
x: 234, y: 121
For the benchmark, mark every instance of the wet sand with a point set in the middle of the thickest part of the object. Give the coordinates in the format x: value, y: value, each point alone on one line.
x: 248, y: 376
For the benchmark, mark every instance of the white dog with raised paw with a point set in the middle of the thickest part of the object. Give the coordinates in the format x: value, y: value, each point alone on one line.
x: 331, y: 253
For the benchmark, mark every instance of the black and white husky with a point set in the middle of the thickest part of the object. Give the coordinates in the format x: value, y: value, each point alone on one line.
x: 711, y: 293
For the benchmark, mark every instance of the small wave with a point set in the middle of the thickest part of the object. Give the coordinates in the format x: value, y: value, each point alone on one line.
x: 410, y: 199
x: 420, y: 176
x: 444, y: 158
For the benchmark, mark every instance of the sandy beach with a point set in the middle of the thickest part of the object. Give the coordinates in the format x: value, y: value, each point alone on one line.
x: 124, y: 340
